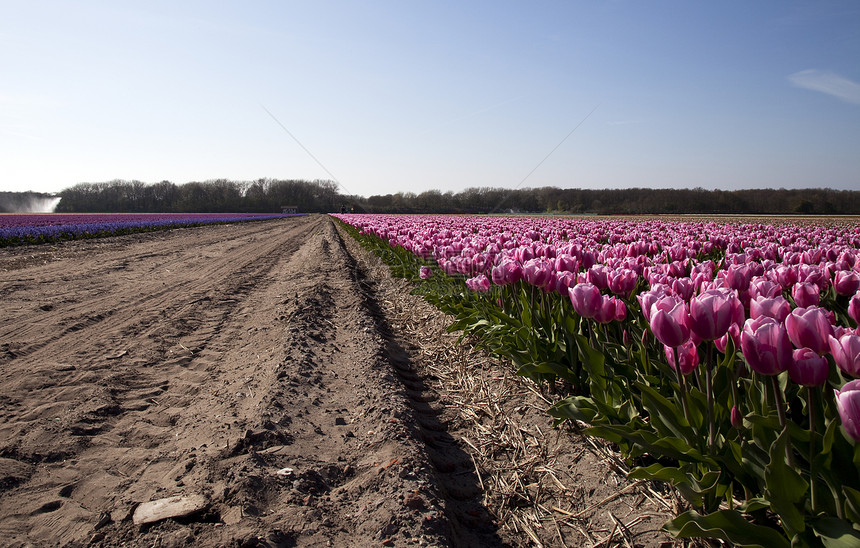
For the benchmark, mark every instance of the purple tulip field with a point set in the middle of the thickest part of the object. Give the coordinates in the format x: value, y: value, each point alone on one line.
x: 722, y: 358
x: 24, y: 228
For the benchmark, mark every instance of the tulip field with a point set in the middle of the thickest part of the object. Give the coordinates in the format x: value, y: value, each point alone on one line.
x: 26, y: 228
x: 722, y: 358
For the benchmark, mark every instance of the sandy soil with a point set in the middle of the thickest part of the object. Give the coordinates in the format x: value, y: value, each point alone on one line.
x: 276, y: 376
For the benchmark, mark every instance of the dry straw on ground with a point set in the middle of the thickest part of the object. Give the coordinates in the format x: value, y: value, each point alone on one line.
x: 545, y: 486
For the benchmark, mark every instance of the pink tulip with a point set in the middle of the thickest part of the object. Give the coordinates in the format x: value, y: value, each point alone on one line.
x: 538, y: 272
x: 846, y: 282
x: 764, y: 287
x: 622, y: 282
x: 736, y: 418
x: 683, y: 287
x: 449, y: 267
x: 735, y: 333
x: 425, y: 272
x: 854, y: 307
x: 808, y: 368
x: 848, y: 404
x: 647, y: 298
x: 805, y: 294
x: 606, y: 312
x: 566, y: 263
x: 611, y: 309
x: 846, y: 352
x: 765, y: 345
x: 776, y: 307
x: 564, y: 281
x: 597, y: 275
x: 688, y: 356
x: 479, y: 283
x: 712, y: 312
x: 507, y: 272
x: 620, y: 310
x: 669, y: 321
x: 786, y: 276
x: 738, y: 276
x: 586, y: 299
x: 809, y: 327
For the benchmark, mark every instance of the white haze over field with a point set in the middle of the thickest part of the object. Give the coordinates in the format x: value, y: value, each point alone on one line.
x: 37, y: 205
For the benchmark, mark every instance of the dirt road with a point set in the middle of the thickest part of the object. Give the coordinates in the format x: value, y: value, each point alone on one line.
x: 252, y: 373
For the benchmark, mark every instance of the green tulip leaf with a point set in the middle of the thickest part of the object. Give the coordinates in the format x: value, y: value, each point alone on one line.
x: 728, y: 525
x: 785, y: 487
x: 852, y: 503
x: 836, y: 533
x: 666, y: 416
x: 575, y: 408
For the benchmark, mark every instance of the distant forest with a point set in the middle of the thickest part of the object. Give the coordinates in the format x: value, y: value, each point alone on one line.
x: 269, y: 195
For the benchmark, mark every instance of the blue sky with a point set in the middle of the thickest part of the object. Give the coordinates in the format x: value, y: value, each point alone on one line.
x: 400, y: 95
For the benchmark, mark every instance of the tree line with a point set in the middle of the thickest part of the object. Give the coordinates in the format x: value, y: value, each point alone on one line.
x: 216, y: 196
x: 269, y: 195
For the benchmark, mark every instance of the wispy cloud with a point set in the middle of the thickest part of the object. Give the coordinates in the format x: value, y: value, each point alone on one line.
x: 827, y: 82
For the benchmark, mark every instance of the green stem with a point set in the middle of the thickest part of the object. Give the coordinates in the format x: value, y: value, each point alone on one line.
x: 780, y: 410
x: 810, y: 395
x: 709, y: 392
x: 683, y: 385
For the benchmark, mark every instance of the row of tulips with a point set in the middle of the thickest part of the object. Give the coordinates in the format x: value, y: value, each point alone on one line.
x: 35, y: 228
x: 722, y: 358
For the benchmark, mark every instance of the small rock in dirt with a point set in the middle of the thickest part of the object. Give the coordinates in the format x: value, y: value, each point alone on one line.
x: 414, y: 501
x: 232, y: 516
x: 340, y: 421
x: 171, y: 507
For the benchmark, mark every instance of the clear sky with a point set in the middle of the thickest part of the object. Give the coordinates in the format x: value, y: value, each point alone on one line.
x: 406, y: 95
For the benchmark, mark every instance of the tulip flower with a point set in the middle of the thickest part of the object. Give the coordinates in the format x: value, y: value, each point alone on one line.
x: 586, y: 299
x: 564, y: 281
x: 805, y: 294
x: 735, y: 333
x: 786, y: 276
x: 507, y: 272
x: 566, y: 263
x: 647, y: 298
x: 848, y: 404
x: 736, y: 418
x: 765, y: 345
x: 809, y: 327
x: 622, y: 282
x: 538, y: 272
x: 688, y: 357
x: 479, y: 283
x: 846, y: 282
x: 669, y: 321
x: 808, y: 368
x: 846, y: 353
x: 611, y: 309
x: 764, y: 287
x: 775, y: 307
x: 683, y: 287
x: 738, y: 276
x: 425, y: 272
x: 854, y: 307
x: 712, y: 312
x: 597, y: 275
